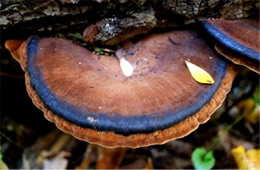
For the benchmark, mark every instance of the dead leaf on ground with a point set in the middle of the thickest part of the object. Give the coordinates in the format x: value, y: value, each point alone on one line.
x: 58, y: 162
x: 246, y: 160
x: 3, y: 166
x: 149, y: 164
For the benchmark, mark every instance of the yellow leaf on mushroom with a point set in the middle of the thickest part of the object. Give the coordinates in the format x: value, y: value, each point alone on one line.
x: 199, y: 74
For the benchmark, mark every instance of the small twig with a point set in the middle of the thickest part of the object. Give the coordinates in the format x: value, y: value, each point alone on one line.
x: 11, y: 141
x: 59, y: 144
x: 216, y: 139
x: 11, y: 75
x: 88, y: 157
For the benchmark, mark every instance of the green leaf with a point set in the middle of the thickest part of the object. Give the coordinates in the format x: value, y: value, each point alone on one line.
x: 76, y: 36
x: 202, y: 159
x: 100, y: 51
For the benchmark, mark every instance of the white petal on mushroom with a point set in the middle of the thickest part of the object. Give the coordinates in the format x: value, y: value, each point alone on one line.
x: 126, y: 67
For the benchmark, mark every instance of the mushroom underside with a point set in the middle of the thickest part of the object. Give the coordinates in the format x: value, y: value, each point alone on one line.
x: 254, y: 66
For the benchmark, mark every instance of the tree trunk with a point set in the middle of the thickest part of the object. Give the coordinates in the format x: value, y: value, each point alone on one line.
x: 30, y: 16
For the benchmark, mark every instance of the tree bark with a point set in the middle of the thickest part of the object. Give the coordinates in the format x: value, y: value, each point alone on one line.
x: 45, y: 15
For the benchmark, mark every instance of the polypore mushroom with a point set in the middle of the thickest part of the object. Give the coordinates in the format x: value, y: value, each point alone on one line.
x: 89, y: 97
x: 237, y: 40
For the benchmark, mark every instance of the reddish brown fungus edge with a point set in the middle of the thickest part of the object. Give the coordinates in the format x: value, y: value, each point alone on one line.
x: 14, y: 46
x: 112, y: 140
x: 239, y: 61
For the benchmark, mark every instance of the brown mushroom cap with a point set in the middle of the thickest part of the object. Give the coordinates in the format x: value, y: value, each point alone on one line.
x: 13, y: 46
x: 87, y: 95
x: 237, y: 40
x: 238, y: 60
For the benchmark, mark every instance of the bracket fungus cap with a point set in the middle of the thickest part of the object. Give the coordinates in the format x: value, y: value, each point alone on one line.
x: 87, y: 95
x: 237, y: 40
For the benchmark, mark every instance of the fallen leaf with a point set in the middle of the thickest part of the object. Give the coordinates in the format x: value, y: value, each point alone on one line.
x: 254, y: 157
x: 246, y: 160
x: 126, y: 67
x: 3, y: 166
x: 199, y: 74
x: 149, y: 164
x: 58, y: 162
x: 250, y: 109
x: 253, y: 117
x: 256, y: 95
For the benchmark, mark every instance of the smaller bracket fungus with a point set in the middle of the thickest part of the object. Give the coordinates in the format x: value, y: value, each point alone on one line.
x: 89, y: 97
x: 237, y: 40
